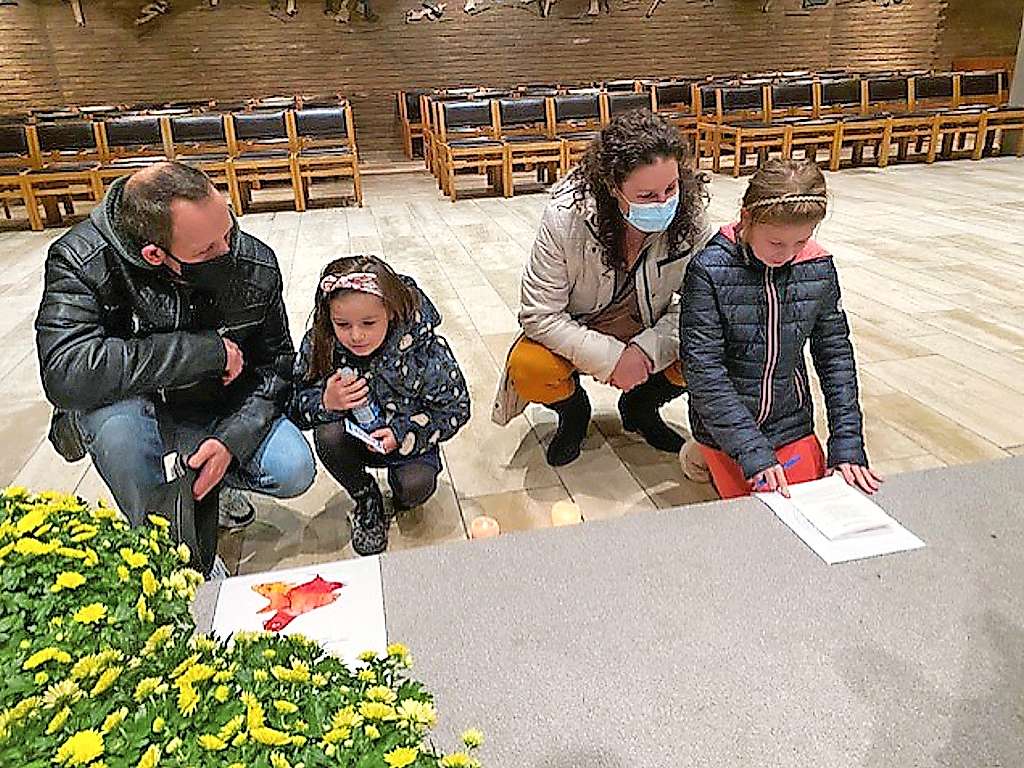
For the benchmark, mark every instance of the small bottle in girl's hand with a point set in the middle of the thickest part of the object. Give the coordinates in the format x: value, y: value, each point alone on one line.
x: 366, y: 414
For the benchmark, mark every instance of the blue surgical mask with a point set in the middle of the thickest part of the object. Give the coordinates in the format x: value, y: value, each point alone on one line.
x: 652, y: 217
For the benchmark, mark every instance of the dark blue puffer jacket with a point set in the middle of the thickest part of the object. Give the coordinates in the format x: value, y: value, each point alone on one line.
x: 743, y: 330
x: 413, y: 378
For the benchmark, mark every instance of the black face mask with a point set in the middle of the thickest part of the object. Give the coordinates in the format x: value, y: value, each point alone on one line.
x: 210, y: 276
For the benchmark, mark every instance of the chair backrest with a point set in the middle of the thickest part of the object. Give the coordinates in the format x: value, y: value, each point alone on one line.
x: 840, y: 93
x: 708, y: 99
x: 742, y: 98
x: 13, y: 143
x: 524, y: 111
x: 275, y: 102
x: 793, y: 95
x: 67, y: 139
x: 260, y: 126
x: 577, y: 106
x: 620, y: 86
x: 886, y: 90
x: 199, y: 129
x: 466, y: 115
x: 674, y: 94
x: 934, y: 86
x: 619, y: 102
x: 133, y: 131
x: 981, y: 84
x: 412, y: 104
x: 322, y: 123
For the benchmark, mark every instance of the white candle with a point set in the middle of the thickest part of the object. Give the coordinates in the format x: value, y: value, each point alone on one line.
x: 565, y: 513
x: 483, y: 527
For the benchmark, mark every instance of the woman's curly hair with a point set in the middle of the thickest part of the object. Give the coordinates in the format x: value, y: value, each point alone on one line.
x: 630, y: 141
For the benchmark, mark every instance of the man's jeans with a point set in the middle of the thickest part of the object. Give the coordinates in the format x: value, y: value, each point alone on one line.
x: 128, y: 440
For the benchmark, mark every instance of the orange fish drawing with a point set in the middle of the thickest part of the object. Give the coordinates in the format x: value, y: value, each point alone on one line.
x: 289, y: 601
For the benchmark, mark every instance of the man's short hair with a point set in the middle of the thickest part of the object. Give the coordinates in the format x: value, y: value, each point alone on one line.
x: 145, y: 212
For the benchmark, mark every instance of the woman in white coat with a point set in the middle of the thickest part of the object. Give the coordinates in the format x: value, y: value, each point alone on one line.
x: 600, y: 290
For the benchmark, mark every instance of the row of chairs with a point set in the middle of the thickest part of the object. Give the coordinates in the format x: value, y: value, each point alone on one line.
x: 44, y: 164
x: 501, y: 136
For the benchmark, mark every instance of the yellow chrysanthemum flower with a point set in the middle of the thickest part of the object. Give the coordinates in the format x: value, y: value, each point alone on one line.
x: 68, y: 580
x: 146, y: 687
x: 184, y: 553
x: 374, y: 710
x: 150, y: 758
x: 222, y: 693
x: 158, y: 639
x: 113, y: 720
x: 30, y: 546
x: 368, y: 656
x: 91, y: 613
x: 188, y: 700
x: 149, y: 583
x: 32, y: 519
x: 132, y: 558
x: 457, y: 760
x: 372, y: 732
x: 158, y: 724
x: 141, y: 609
x: 318, y: 680
x: 212, y: 743
x: 80, y: 749
x: 473, y: 738
x: 57, y: 721
x: 180, y: 670
x: 253, y: 711
x: 285, y: 707
x: 367, y: 676
x: 231, y: 727
x: 346, y: 718
x: 417, y: 713
x: 260, y: 675
x: 401, y: 757
x: 398, y: 651
x: 277, y: 760
x: 269, y: 653
x: 173, y: 745
x: 123, y: 574
x: 160, y: 522
x: 106, y: 680
x: 41, y: 678
x: 270, y: 737
x: 39, y: 658
x: 64, y: 692
x: 381, y: 693
x: 335, y: 735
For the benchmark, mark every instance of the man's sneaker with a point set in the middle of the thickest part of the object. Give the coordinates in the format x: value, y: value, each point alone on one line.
x: 369, y: 521
x: 236, y: 511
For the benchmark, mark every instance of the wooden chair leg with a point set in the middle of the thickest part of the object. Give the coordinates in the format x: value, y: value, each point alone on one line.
x: 297, y: 191
x: 980, y: 138
x: 738, y: 157
x: 35, y: 221
x: 837, y: 150
x: 933, y: 142
x: 357, y: 183
x: 233, y: 193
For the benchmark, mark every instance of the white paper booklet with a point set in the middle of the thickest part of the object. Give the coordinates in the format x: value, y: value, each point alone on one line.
x: 339, y: 605
x: 839, y: 522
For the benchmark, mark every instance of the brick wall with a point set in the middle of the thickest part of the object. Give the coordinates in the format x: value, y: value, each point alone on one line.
x: 240, y: 49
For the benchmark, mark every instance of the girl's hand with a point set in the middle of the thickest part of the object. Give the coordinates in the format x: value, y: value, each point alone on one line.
x: 341, y: 396
x: 386, y: 437
x: 772, y: 479
x: 860, y: 477
x: 632, y: 369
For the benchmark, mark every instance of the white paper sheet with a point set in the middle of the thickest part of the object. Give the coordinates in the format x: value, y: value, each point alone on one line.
x: 838, y: 522
x: 346, y: 621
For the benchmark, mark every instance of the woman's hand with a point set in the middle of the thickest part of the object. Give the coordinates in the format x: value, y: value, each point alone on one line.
x: 386, y: 438
x: 632, y: 369
x: 860, y: 477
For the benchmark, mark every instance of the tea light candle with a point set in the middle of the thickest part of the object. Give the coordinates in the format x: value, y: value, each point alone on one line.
x: 483, y: 527
x: 565, y: 513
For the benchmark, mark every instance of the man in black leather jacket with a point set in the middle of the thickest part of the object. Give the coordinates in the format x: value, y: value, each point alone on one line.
x: 162, y: 328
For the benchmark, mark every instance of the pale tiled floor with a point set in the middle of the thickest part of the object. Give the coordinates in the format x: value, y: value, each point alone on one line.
x: 929, y: 258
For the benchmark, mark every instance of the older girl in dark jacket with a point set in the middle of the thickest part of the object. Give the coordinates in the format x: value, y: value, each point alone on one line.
x: 373, y: 356
x: 752, y: 300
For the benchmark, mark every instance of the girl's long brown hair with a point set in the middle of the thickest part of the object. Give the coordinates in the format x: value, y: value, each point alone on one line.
x: 781, y: 178
x: 400, y: 301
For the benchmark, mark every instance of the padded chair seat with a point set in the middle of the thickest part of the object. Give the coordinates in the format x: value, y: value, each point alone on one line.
x: 479, y: 141
x: 526, y: 139
x: 211, y: 157
x: 63, y: 168
x: 752, y: 124
x: 135, y: 162
x: 579, y: 136
x: 267, y: 154
x: 324, y: 152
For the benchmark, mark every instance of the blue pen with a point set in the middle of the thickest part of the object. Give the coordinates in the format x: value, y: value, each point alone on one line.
x: 789, y: 464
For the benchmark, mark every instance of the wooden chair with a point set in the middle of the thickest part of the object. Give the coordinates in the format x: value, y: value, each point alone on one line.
x: 931, y: 92
x: 992, y: 128
x: 912, y: 134
x: 578, y: 120
x: 469, y: 140
x: 527, y: 126
x: 741, y: 138
x: 955, y: 133
x: 15, y: 159
x: 989, y: 88
x: 69, y: 158
x: 842, y: 96
x: 857, y: 132
x: 264, y: 151
x: 131, y: 142
x: 202, y: 141
x: 411, y: 119
x: 791, y: 99
x: 741, y: 103
x: 326, y: 147
x: 811, y: 135
x: 673, y: 99
x: 886, y: 94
